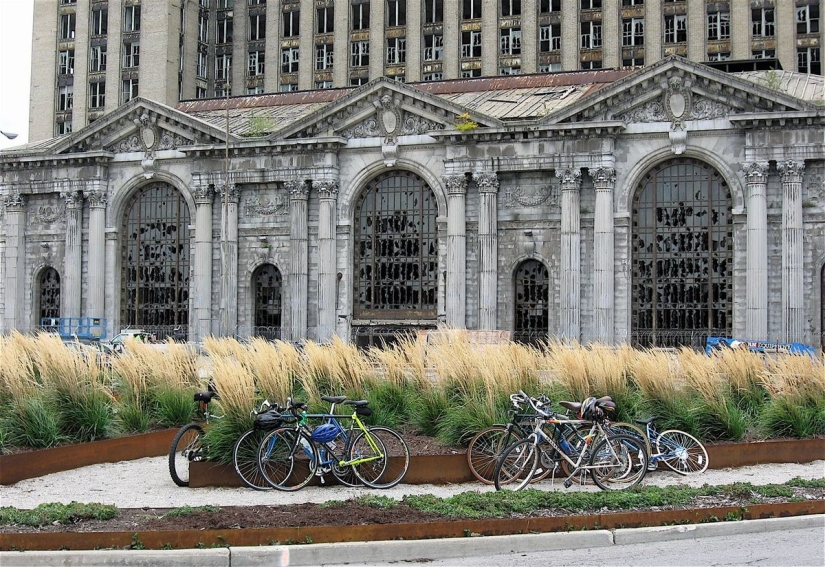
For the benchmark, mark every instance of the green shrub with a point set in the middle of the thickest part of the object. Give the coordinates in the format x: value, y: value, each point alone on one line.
x: 174, y: 406
x: 86, y: 415
x: 131, y: 418
x: 221, y: 436
x: 33, y: 422
x: 785, y: 417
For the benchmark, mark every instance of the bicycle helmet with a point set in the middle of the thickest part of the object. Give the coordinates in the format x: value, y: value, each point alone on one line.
x: 325, y: 433
x: 268, y: 420
x: 590, y: 409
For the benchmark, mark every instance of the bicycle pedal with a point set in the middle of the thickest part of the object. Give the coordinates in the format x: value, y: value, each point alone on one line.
x: 568, y: 483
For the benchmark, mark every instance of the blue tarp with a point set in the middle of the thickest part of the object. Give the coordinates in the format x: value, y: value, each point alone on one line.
x: 717, y: 343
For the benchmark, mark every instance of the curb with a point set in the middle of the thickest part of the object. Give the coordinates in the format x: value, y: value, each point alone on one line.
x: 400, y: 551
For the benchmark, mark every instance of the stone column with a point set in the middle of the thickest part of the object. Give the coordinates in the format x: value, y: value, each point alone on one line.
x: 487, y: 249
x: 15, y: 262
x: 756, y: 314
x: 793, y: 298
x: 327, y: 281
x: 452, y: 39
x: 202, y: 303
x: 456, y: 285
x: 96, y: 277
x: 229, y: 259
x: 571, y: 181
x: 70, y: 282
x: 604, y: 181
x: 299, y: 258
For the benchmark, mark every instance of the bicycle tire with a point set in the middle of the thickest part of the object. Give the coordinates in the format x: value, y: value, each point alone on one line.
x: 343, y: 474
x: 618, y: 462
x: 486, y: 447
x: 245, y: 459
x: 518, y: 462
x: 369, y: 447
x: 689, y: 455
x: 576, y: 439
x: 187, y: 446
x: 287, y: 459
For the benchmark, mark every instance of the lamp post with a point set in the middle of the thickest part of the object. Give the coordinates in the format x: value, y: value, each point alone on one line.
x: 9, y: 135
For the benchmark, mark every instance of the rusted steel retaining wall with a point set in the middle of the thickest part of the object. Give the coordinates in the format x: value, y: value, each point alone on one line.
x: 20, y: 466
x: 382, y: 532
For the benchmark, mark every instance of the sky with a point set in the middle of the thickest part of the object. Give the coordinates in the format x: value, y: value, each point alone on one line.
x: 15, y: 69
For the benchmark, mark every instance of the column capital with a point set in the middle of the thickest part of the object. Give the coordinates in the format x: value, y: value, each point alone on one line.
x: 97, y: 198
x: 456, y: 184
x: 487, y: 181
x: 298, y: 190
x: 756, y: 171
x: 791, y: 171
x: 571, y: 178
x: 15, y: 202
x: 203, y: 193
x: 73, y: 198
x: 603, y: 177
x: 327, y: 188
x: 229, y: 191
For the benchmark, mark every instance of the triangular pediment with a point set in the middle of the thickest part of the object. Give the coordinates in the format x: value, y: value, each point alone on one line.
x: 140, y: 126
x: 677, y: 90
x: 382, y: 108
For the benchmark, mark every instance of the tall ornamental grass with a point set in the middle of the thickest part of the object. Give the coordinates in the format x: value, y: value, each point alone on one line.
x: 796, y: 406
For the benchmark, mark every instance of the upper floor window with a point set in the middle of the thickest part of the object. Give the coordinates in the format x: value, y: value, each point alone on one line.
x: 719, y: 25
x: 591, y: 36
x: 633, y: 2
x: 471, y: 44
x: 763, y: 23
x: 396, y: 13
x: 255, y: 63
x: 289, y: 60
x: 129, y: 90
x: 100, y: 22
x: 200, y: 92
x: 225, y: 4
x: 67, y: 2
x: 546, y: 6
x: 359, y: 54
x: 67, y: 26
x: 201, y: 69
x: 225, y: 31
x: 97, y: 95
x: 131, y: 18
x: 510, y: 41
x: 257, y: 27
x: 676, y: 28
x: 131, y: 54
x: 472, y: 9
x: 203, y: 28
x: 763, y: 54
x: 807, y: 19
x: 256, y: 2
x: 97, y: 59
x: 323, y: 56
x: 433, y: 47
x: 433, y: 11
x: 550, y: 38
x: 510, y: 7
x: 396, y: 50
x: 633, y: 32
x: 292, y: 23
x: 223, y: 67
x: 65, y: 97
x: 808, y: 60
x: 63, y: 127
x: 65, y: 62
x: 360, y: 15
x: 326, y: 19
x: 591, y: 4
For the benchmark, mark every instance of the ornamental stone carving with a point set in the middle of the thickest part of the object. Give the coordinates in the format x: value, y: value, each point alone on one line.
x: 72, y: 197
x: 544, y: 195
x: 365, y: 129
x: 456, y: 184
x: 97, y: 199
x: 603, y: 177
x: 571, y: 178
x: 255, y: 206
x: 816, y: 188
x: 650, y: 112
x: 203, y: 194
x: 229, y: 191
x: 15, y: 201
x: 487, y: 181
x: 791, y: 171
x: 297, y: 189
x: 756, y: 172
x: 328, y: 188
x: 48, y: 214
x: 414, y: 124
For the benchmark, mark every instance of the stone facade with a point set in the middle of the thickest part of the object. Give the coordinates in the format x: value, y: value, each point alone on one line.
x: 558, y: 193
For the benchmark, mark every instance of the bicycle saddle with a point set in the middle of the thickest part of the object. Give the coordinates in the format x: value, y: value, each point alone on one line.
x: 334, y: 399
x: 356, y: 403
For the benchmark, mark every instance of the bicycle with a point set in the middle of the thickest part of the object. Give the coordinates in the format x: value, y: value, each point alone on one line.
x: 290, y: 457
x: 613, y: 461
x: 187, y: 446
x: 245, y: 452
x: 680, y: 451
x: 486, y: 446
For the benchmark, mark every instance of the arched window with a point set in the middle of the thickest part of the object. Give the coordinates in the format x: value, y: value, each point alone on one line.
x: 266, y: 282
x: 682, y: 256
x: 155, y: 273
x: 396, y: 251
x: 532, y: 302
x: 49, y: 296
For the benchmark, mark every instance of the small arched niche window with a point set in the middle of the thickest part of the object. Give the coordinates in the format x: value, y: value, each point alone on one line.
x: 267, y: 286
x: 532, y: 291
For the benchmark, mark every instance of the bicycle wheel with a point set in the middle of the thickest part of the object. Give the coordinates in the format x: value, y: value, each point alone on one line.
x: 245, y: 459
x: 683, y: 452
x: 187, y: 446
x: 618, y: 462
x: 518, y: 462
x: 343, y: 474
x: 636, y: 431
x: 576, y: 439
x: 485, y: 448
x: 370, y: 457
x: 287, y: 459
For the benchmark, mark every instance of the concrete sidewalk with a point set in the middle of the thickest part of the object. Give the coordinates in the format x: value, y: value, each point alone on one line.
x: 400, y: 551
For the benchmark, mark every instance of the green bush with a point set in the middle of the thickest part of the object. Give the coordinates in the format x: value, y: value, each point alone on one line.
x: 86, y: 415
x: 131, y: 418
x: 174, y: 407
x: 33, y: 422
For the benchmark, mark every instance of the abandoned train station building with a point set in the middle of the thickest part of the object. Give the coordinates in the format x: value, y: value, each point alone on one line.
x: 656, y: 207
